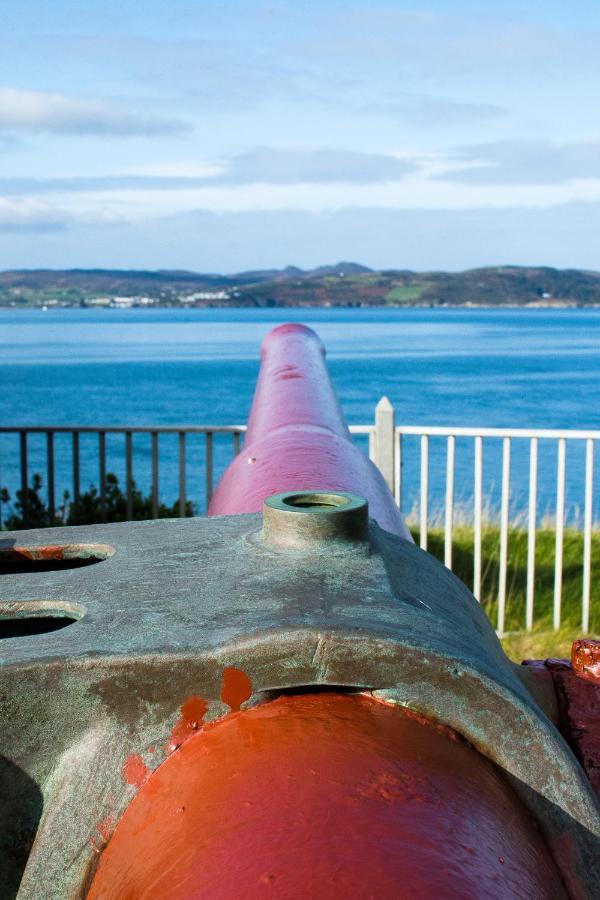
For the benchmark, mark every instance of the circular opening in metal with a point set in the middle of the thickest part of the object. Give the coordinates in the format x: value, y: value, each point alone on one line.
x: 25, y: 619
x: 304, y: 518
x: 315, y: 501
x: 17, y: 559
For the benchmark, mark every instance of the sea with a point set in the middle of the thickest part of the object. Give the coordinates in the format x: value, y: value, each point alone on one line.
x: 514, y: 368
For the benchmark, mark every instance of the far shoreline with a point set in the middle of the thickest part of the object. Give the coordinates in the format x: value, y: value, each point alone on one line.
x: 387, y: 307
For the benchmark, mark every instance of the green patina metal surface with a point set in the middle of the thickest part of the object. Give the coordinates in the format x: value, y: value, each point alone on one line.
x: 167, y: 606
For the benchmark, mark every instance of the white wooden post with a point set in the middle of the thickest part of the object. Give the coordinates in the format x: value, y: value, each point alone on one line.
x: 384, y: 440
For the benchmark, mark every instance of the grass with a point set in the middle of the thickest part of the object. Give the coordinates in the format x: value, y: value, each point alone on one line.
x: 406, y: 293
x: 542, y: 641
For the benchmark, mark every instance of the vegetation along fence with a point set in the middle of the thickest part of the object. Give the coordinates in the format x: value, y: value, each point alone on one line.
x: 511, y: 511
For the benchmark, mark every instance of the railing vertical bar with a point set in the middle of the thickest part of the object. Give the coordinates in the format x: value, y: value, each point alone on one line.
x: 449, y: 516
x: 424, y: 493
x: 504, y: 513
x: 398, y: 469
x: 531, y: 532
x: 102, y: 470
x: 236, y: 443
x: 24, y: 479
x: 560, y: 524
x: 129, y: 472
x: 182, y: 490
x: 384, y: 441
x: 76, y: 477
x: 209, y: 467
x: 50, y: 474
x: 155, y: 500
x: 587, y: 535
x: 477, y: 516
x: 1, y: 493
x: 372, y: 438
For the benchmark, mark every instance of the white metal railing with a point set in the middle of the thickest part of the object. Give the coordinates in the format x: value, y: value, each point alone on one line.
x: 101, y: 431
x: 394, y: 473
x: 387, y: 448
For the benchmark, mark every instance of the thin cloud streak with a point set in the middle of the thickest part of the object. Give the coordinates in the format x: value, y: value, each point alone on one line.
x: 41, y: 111
x: 525, y: 162
x: 290, y: 166
x: 427, y: 111
x: 260, y: 166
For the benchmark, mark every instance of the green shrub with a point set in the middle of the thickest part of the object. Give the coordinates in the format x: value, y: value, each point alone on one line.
x: 87, y: 510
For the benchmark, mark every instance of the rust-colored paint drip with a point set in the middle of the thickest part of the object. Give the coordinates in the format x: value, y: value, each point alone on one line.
x: 321, y: 796
x: 237, y: 688
x: 192, y: 714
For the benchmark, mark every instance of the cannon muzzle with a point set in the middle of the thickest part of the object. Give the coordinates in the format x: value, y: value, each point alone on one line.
x: 297, y: 439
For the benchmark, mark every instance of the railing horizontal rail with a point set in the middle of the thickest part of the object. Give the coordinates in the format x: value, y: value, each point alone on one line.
x: 430, y: 430
x: 122, y: 429
x: 447, y: 430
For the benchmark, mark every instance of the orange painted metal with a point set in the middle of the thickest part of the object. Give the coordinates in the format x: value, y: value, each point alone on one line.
x: 321, y: 796
x: 297, y: 438
x: 585, y: 659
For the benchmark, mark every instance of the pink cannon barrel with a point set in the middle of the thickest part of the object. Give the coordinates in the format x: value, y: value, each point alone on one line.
x: 297, y: 438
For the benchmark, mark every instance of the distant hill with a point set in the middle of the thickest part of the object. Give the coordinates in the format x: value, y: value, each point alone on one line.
x: 343, y: 284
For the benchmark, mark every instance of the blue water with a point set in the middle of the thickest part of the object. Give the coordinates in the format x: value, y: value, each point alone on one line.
x: 514, y: 368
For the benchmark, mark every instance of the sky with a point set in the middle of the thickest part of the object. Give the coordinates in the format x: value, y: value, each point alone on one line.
x: 237, y: 134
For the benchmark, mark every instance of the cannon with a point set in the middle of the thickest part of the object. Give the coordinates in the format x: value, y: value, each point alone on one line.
x: 286, y: 698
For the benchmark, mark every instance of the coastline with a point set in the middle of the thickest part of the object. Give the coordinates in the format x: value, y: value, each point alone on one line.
x: 342, y: 286
x: 14, y: 307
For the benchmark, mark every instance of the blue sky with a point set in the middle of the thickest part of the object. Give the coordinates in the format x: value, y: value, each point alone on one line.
x: 220, y: 136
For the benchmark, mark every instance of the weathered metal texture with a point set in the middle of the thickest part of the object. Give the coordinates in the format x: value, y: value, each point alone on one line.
x: 538, y: 681
x: 295, y: 521
x: 297, y: 438
x: 180, y: 620
x: 579, y: 711
x: 326, y: 795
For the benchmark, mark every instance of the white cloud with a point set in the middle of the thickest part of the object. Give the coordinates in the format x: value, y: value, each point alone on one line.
x: 29, y: 214
x: 526, y: 162
x: 40, y: 111
x: 36, y: 214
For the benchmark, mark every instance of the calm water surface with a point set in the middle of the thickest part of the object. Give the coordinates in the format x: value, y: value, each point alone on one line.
x: 517, y: 368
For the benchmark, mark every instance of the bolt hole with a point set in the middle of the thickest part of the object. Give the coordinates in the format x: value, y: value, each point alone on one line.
x: 12, y: 628
x: 17, y: 560
x: 28, y: 618
x: 315, y: 501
